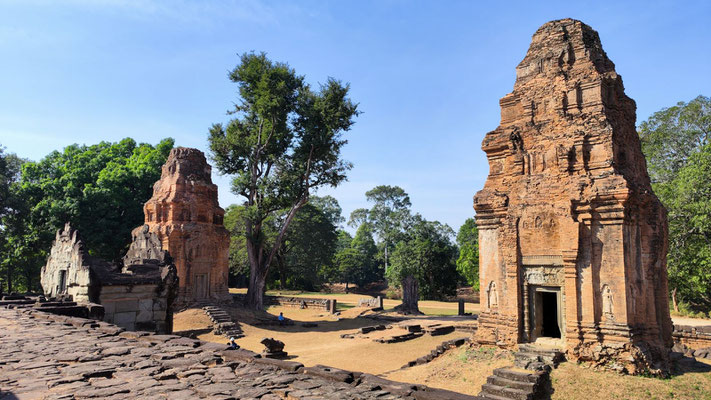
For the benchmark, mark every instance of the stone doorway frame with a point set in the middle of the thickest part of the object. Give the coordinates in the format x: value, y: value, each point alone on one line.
x: 534, y: 328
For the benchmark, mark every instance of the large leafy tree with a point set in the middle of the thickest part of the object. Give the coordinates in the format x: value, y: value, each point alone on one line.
x: 671, y: 135
x: 12, y: 211
x: 424, y: 263
x: 675, y: 141
x: 99, y: 189
x: 468, y: 261
x: 284, y: 142
x: 389, y: 215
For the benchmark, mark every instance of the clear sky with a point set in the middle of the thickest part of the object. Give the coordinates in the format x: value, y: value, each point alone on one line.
x: 428, y: 75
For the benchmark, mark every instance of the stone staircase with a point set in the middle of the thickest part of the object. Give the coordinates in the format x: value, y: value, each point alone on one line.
x: 537, y: 358
x: 222, y: 322
x: 511, y: 384
x: 528, y: 379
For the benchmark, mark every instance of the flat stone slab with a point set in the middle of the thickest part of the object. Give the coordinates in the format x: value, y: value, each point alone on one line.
x: 83, y: 363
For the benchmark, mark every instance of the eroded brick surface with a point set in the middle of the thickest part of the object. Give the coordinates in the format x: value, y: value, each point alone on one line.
x: 568, y: 210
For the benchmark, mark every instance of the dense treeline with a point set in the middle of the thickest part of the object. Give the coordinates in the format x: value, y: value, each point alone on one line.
x: 676, y: 144
x: 99, y: 189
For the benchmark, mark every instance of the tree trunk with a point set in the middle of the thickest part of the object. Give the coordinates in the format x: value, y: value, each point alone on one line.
x: 410, y: 295
x: 676, y: 305
x: 255, y: 292
x: 346, y: 287
x: 9, y: 278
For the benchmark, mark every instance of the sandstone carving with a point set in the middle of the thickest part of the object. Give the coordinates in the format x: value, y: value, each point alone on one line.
x: 137, y: 296
x: 187, y: 220
x: 572, y: 239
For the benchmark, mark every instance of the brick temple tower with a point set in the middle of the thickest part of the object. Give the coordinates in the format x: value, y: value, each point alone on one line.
x: 572, y: 239
x: 188, y: 220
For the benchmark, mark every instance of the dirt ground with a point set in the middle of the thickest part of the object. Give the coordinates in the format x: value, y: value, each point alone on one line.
x: 323, y: 344
x: 428, y: 307
x: 462, y: 370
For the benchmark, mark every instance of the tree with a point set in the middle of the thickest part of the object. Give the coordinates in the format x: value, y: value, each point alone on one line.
x: 468, y: 261
x: 284, y: 141
x: 670, y: 136
x: 388, y: 216
x: 310, y: 244
x: 676, y: 144
x: 308, y: 248
x: 12, y: 208
x: 424, y: 263
x: 100, y: 189
x: 688, y: 200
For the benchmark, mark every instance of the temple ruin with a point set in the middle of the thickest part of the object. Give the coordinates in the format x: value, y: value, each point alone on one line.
x: 137, y: 295
x: 572, y: 239
x: 187, y: 219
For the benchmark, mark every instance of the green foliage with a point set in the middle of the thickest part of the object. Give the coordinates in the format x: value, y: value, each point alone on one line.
x: 305, y: 255
x: 678, y: 153
x: 428, y: 254
x: 285, y: 139
x: 100, y: 189
x: 670, y: 136
x: 389, y: 216
x: 468, y: 261
x: 356, y: 263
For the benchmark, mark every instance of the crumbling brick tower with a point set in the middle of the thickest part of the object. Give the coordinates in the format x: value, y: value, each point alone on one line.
x: 572, y: 239
x: 185, y: 215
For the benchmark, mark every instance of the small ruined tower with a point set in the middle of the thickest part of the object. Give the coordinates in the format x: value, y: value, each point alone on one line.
x: 187, y: 219
x: 572, y: 239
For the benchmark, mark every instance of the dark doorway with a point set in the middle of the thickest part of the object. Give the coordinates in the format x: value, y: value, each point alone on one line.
x: 62, y: 287
x: 549, y: 308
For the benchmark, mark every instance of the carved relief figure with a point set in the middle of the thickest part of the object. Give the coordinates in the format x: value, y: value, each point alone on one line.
x: 492, y: 296
x: 607, y: 302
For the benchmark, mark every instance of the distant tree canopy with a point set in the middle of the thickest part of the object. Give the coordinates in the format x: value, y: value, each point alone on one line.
x: 283, y: 142
x: 100, y: 189
x: 428, y: 255
x: 676, y: 144
x: 388, y: 217
x: 468, y: 261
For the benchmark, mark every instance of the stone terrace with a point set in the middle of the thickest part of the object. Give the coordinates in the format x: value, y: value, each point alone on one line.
x: 46, y: 356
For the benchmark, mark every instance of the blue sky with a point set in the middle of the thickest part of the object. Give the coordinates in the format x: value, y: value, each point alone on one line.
x: 428, y: 75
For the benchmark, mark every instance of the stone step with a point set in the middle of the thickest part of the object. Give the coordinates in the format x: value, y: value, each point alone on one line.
x: 506, y: 392
x: 503, y: 382
x: 490, y: 397
x: 515, y: 375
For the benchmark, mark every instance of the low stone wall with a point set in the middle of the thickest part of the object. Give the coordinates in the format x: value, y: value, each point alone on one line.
x: 295, y: 302
x: 693, y: 337
x: 94, y: 359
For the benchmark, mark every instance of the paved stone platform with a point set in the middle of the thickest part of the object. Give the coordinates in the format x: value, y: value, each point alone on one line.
x: 47, y: 356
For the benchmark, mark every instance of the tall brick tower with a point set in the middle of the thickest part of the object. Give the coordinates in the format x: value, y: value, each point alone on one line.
x: 572, y: 239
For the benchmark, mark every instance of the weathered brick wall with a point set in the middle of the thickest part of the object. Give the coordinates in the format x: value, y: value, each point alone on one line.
x: 694, y: 337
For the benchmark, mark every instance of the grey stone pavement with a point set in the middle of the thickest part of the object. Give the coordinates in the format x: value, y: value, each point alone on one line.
x: 46, y: 356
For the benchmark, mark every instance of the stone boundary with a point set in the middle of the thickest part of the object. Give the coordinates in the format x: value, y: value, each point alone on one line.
x: 693, y: 337
x: 438, y: 351
x: 134, y: 364
x: 294, y: 302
